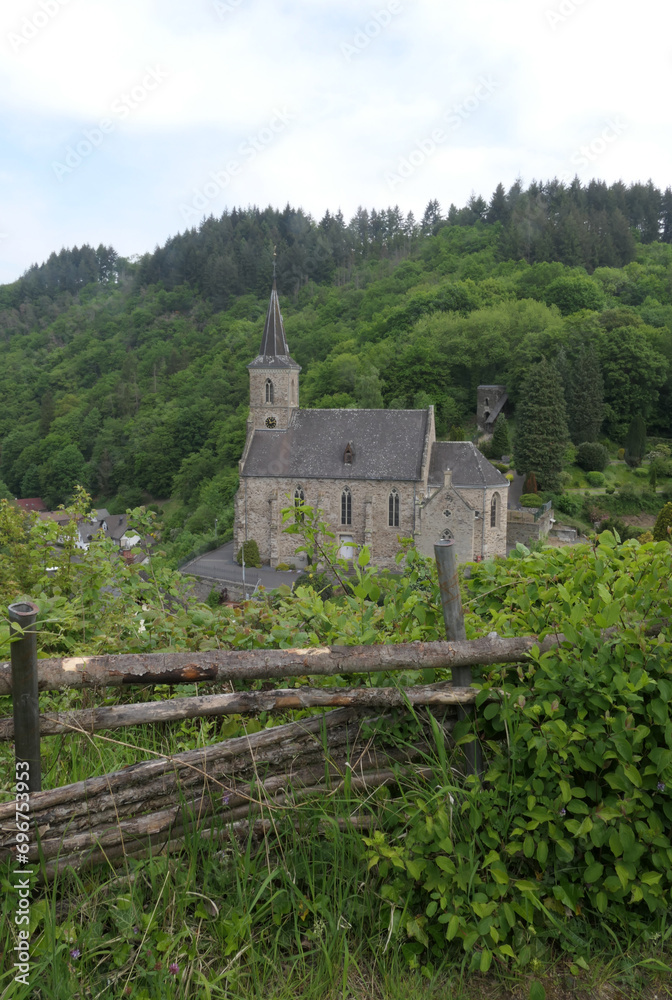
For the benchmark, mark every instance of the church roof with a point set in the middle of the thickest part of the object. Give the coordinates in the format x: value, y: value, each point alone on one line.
x: 274, y: 352
x: 385, y: 444
x: 467, y: 464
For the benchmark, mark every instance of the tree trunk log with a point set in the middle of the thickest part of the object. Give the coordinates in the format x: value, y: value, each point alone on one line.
x: 239, y: 665
x: 203, y: 706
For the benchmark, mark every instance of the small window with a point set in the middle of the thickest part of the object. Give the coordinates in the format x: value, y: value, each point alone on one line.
x: 348, y: 454
x: 447, y: 535
x: 447, y: 513
x: 299, y: 499
x: 393, y: 510
x: 494, y: 511
x: 269, y: 391
x: 346, y: 506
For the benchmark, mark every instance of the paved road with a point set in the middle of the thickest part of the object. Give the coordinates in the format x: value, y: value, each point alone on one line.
x: 219, y: 564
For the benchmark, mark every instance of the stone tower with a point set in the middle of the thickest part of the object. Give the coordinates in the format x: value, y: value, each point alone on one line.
x: 491, y: 399
x: 274, y: 376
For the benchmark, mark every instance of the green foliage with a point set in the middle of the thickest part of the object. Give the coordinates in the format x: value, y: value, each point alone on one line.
x: 592, y: 457
x: 250, y: 550
x: 635, y: 442
x: 595, y: 479
x: 662, y: 531
x: 570, y: 831
x: 500, y: 443
x: 584, y: 394
x: 530, y: 500
x: 541, y: 426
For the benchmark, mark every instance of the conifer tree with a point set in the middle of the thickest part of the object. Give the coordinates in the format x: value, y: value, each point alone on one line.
x: 501, y: 444
x: 662, y: 531
x: 585, y: 398
x: 635, y: 442
x: 541, y: 426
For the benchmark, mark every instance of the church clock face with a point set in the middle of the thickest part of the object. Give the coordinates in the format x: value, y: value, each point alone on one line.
x: 271, y: 422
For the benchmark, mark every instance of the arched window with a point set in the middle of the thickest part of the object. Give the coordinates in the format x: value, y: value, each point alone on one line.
x: 346, y: 506
x: 494, y: 511
x: 269, y: 391
x: 299, y: 499
x: 487, y: 401
x: 393, y: 509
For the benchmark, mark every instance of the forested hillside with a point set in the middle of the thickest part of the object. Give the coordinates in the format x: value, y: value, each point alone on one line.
x: 129, y: 377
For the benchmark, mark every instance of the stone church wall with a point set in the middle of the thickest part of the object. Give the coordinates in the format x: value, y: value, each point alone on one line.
x: 370, y: 515
x: 468, y: 523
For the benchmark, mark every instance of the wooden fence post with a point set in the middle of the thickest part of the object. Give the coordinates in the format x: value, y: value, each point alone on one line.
x: 453, y: 617
x: 25, y: 702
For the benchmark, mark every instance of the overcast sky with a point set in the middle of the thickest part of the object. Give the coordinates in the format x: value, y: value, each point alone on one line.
x: 125, y: 121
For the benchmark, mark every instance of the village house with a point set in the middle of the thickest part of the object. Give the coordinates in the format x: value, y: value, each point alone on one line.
x: 377, y: 475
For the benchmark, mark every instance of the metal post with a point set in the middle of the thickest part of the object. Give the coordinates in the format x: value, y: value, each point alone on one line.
x: 451, y: 604
x: 25, y: 701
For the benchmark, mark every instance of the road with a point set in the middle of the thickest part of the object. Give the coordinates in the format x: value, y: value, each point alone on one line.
x: 219, y: 564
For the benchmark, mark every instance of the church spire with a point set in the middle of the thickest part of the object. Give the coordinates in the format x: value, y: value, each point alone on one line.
x: 274, y: 351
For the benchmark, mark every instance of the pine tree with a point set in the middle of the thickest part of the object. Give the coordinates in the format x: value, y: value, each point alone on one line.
x: 635, y: 442
x: 501, y: 444
x: 541, y: 426
x: 585, y: 398
x: 662, y: 531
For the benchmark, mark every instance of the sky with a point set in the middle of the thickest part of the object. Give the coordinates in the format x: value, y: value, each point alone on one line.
x: 124, y: 122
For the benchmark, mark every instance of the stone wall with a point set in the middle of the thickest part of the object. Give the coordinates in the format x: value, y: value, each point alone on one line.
x: 468, y: 520
x: 521, y: 526
x: 260, y: 501
x: 285, y: 396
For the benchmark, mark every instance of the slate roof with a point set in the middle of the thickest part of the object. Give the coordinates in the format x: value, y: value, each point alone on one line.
x: 386, y: 444
x: 468, y: 465
x: 274, y: 352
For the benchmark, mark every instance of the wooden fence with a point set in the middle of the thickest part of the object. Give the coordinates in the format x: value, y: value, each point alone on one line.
x: 153, y: 805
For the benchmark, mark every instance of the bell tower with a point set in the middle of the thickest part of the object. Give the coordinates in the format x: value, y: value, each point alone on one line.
x: 274, y: 376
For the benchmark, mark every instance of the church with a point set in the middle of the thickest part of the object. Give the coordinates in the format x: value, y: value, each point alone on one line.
x: 377, y: 475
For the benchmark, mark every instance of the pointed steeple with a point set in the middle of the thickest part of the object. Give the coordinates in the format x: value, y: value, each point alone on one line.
x: 274, y: 352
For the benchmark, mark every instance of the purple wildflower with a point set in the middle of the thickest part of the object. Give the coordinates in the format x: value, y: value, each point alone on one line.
x: 661, y: 786
x: 173, y: 968
x: 563, y: 812
x: 75, y: 953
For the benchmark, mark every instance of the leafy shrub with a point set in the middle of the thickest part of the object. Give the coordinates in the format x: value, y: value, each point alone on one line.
x: 595, y: 479
x: 610, y: 489
x: 530, y: 500
x: 501, y: 467
x: 570, y: 833
x: 620, y: 454
x: 252, y: 557
x: 283, y: 567
x: 640, y: 473
x: 662, y: 531
x: 645, y: 537
x: 592, y: 457
x: 568, y: 504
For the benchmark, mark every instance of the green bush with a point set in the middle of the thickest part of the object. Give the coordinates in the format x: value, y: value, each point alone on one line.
x: 569, y: 837
x: 662, y: 531
x: 282, y: 567
x: 640, y: 473
x: 252, y: 557
x: 595, y: 479
x: 568, y: 504
x: 530, y: 500
x: 592, y: 457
